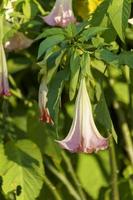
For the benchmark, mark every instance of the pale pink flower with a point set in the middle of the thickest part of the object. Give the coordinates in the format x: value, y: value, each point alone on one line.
x: 61, y: 14
x: 83, y: 135
x: 18, y: 42
x: 4, y: 85
x: 44, y: 111
x: 130, y: 21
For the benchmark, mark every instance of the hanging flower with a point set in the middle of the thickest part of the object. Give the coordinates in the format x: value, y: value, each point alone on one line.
x: 130, y: 21
x: 61, y: 14
x: 4, y: 85
x: 44, y: 112
x: 83, y: 135
x: 18, y: 42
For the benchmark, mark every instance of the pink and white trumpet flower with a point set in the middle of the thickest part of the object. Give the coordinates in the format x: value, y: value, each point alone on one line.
x: 130, y: 21
x: 42, y: 101
x: 83, y: 135
x: 18, y: 42
x: 4, y: 85
x: 61, y: 14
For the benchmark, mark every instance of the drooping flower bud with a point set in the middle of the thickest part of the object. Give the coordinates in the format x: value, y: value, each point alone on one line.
x: 83, y: 135
x: 130, y: 21
x: 42, y: 100
x: 61, y: 14
x: 18, y: 42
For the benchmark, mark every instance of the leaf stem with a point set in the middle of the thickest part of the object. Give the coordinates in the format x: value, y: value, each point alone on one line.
x: 125, y: 131
x: 114, y: 171
x: 131, y: 96
x: 64, y: 180
x: 39, y: 7
x: 73, y: 175
x: 52, y: 188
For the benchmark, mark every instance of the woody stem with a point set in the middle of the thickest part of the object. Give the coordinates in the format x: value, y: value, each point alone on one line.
x: 114, y: 170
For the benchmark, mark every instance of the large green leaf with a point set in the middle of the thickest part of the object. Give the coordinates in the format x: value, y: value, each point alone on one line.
x: 119, y: 12
x: 2, y: 158
x: 75, y: 68
x: 90, y: 32
x: 100, y: 12
x: 49, y: 42
x: 54, y: 93
x: 85, y: 64
x: 107, y: 56
x: 102, y: 114
x: 24, y: 167
x: 50, y: 32
x: 126, y: 58
x: 93, y: 172
x: 42, y: 135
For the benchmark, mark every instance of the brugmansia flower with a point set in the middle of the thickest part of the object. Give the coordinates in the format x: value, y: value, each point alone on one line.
x: 83, y: 135
x: 18, y: 42
x: 4, y: 85
x: 61, y: 14
x: 44, y: 111
x: 130, y: 21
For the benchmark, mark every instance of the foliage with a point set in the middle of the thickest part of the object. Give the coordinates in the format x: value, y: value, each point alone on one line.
x: 99, y: 48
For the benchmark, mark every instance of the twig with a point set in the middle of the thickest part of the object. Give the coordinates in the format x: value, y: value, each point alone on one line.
x: 114, y: 171
x: 64, y: 180
x: 125, y: 131
x: 72, y: 173
x: 52, y: 189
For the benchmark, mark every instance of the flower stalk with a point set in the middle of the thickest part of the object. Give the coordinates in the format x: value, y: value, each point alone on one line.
x: 114, y: 171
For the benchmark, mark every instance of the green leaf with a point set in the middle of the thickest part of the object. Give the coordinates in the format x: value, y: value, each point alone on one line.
x: 85, y: 64
x: 107, y: 56
x: 70, y: 31
x: 126, y: 58
x: 42, y: 135
x: 24, y: 167
x: 93, y: 172
x: 122, y: 92
x: 2, y: 158
x: 50, y: 32
x: 74, y: 68
x: 119, y: 12
x: 53, y: 63
x: 102, y: 114
x: 90, y: 32
x: 30, y: 9
x: 99, y: 13
x: 49, y: 42
x: 125, y: 190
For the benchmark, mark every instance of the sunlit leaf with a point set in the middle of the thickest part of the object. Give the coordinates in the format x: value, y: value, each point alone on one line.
x: 90, y: 32
x: 24, y: 168
x: 49, y: 42
x: 93, y: 172
x: 75, y: 68
x: 119, y: 12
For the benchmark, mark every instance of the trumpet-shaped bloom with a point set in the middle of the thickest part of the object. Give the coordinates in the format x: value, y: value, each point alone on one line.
x: 83, y: 135
x: 18, y: 42
x: 44, y: 111
x: 4, y: 85
x: 61, y: 14
x: 130, y: 21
